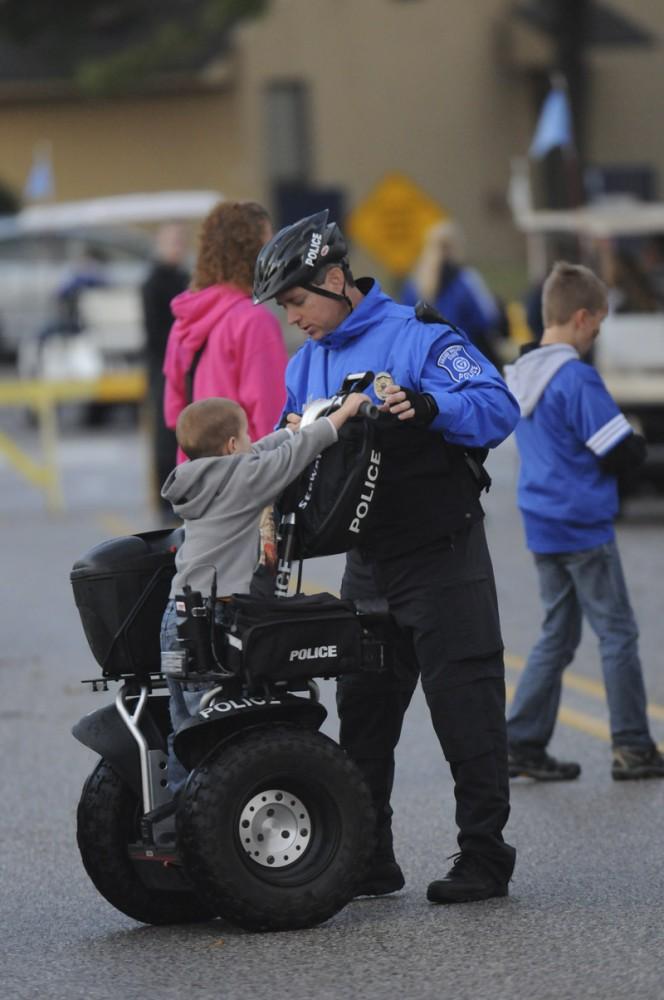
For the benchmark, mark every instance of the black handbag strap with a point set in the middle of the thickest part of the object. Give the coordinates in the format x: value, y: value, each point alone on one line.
x: 189, y: 377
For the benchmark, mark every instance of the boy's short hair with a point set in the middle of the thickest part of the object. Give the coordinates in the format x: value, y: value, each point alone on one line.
x: 204, y: 427
x: 570, y: 287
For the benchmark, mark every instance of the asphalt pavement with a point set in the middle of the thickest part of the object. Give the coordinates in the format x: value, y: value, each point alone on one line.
x: 585, y: 912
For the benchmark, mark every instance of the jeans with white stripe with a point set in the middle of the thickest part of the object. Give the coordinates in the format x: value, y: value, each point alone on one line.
x: 573, y: 585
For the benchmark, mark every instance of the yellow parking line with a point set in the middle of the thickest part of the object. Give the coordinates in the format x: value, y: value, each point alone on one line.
x: 583, y: 684
x: 575, y: 720
x: 116, y: 524
x: 584, y: 723
x: 570, y: 680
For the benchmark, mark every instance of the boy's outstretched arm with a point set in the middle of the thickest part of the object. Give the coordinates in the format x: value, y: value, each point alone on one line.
x: 349, y: 408
x: 270, y: 470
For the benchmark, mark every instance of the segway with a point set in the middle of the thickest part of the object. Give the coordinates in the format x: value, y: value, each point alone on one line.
x: 275, y: 826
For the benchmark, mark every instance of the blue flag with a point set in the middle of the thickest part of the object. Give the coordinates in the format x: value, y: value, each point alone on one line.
x: 40, y: 182
x: 554, y: 127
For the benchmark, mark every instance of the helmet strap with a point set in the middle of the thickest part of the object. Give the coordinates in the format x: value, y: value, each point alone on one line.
x: 319, y: 290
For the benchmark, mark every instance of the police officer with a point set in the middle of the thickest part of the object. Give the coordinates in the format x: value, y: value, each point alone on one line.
x: 425, y: 553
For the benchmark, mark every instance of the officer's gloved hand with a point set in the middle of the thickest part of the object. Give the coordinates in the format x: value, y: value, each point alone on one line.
x: 424, y: 405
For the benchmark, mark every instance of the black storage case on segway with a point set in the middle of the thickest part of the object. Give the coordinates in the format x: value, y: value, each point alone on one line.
x: 121, y: 588
x: 304, y: 636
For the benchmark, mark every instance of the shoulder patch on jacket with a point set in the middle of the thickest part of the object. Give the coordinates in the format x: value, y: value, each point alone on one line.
x: 458, y: 363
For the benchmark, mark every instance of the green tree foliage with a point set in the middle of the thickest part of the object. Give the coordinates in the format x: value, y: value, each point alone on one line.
x: 117, y: 46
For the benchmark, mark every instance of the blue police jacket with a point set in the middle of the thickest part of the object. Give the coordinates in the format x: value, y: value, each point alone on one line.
x: 475, y: 407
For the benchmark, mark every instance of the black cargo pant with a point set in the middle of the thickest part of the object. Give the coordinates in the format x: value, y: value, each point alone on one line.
x: 443, y: 598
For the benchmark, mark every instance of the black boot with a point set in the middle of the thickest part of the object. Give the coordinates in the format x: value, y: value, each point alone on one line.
x: 467, y: 881
x: 382, y: 877
x: 383, y: 874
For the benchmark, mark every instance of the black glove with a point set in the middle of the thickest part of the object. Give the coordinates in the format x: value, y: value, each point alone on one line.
x: 425, y: 406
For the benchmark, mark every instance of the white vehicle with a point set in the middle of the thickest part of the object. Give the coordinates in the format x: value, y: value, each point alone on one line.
x: 629, y: 353
x: 43, y: 247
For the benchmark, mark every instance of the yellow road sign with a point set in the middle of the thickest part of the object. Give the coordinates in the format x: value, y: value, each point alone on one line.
x: 392, y: 221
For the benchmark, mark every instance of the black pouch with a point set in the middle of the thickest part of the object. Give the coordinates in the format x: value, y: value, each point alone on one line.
x: 333, y: 498
x: 299, y: 637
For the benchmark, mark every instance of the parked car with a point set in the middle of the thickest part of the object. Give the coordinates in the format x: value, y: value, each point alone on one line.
x: 629, y: 354
x: 76, y: 268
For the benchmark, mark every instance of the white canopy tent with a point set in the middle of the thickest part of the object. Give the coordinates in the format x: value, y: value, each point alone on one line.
x: 123, y: 209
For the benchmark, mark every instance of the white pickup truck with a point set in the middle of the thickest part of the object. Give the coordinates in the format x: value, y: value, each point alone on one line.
x: 629, y: 353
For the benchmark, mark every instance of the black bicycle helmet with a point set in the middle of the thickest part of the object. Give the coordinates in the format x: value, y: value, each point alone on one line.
x: 296, y: 253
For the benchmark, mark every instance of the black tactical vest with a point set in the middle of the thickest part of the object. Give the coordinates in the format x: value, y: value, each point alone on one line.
x: 426, y: 491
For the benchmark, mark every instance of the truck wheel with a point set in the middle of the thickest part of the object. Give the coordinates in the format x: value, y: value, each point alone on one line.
x: 107, y: 822
x: 275, y: 830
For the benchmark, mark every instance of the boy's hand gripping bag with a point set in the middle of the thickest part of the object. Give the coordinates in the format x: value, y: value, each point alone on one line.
x: 332, y: 499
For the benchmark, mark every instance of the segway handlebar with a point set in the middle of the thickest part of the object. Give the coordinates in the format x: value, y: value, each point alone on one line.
x: 368, y: 410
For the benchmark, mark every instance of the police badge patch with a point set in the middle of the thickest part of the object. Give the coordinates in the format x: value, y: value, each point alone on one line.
x: 458, y: 363
x: 380, y: 382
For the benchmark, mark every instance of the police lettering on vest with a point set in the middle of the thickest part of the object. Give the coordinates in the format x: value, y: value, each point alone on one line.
x: 368, y: 493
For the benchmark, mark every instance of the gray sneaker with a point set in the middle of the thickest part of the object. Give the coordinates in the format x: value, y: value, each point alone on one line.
x: 631, y: 763
x: 537, y: 764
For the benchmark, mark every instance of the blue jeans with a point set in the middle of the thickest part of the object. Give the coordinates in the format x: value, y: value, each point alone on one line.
x: 184, y: 700
x: 574, y: 584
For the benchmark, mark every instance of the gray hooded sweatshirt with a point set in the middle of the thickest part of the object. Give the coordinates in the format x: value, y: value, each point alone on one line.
x: 220, y: 500
x: 530, y: 374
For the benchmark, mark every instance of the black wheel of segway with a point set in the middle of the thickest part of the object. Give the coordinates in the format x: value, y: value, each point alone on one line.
x: 107, y: 822
x: 276, y: 828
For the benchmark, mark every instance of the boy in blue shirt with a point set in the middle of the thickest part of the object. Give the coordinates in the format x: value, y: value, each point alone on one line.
x: 573, y: 442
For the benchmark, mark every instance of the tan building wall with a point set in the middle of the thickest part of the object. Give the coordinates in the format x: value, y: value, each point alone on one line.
x: 440, y: 90
x: 627, y: 90
x: 137, y: 144
x: 444, y: 92
x: 411, y: 87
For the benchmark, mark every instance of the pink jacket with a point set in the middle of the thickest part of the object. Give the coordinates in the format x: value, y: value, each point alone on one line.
x: 244, y: 356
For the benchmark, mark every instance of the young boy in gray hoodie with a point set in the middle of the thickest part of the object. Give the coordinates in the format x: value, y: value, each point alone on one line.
x: 220, y: 494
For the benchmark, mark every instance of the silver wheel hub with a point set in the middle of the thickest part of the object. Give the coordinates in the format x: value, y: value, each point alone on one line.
x: 275, y: 828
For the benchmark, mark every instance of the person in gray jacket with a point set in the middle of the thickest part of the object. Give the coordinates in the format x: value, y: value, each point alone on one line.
x: 220, y: 494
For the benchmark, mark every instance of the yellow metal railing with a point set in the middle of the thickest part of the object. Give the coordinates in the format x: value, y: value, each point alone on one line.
x: 43, y: 398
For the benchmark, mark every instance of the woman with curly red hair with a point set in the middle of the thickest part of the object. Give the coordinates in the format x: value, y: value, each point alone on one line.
x: 221, y: 344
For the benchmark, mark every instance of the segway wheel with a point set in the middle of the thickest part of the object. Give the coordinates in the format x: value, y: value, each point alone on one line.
x: 107, y: 823
x: 276, y: 828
